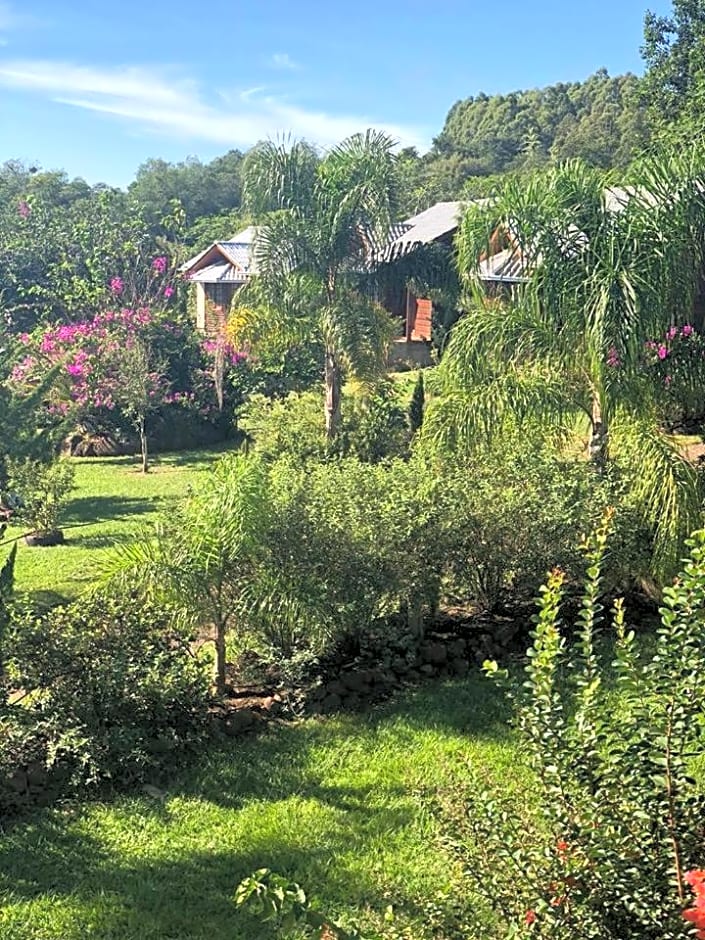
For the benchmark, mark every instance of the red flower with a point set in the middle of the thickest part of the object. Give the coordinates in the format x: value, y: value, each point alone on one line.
x: 529, y: 917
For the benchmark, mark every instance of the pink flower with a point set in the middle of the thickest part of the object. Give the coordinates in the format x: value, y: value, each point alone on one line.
x: 160, y: 264
x: 662, y: 352
x: 613, y: 358
x: 672, y: 332
x: 23, y: 208
x: 687, y: 330
x: 168, y: 291
x: 117, y: 285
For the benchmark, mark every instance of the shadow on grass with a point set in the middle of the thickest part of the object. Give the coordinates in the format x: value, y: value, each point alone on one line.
x: 189, y: 894
x: 96, y: 509
x: 314, y: 798
x: 283, y: 760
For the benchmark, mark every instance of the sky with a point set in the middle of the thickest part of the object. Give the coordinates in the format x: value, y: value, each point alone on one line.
x: 97, y: 88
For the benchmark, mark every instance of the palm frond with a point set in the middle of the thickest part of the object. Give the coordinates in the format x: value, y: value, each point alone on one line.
x: 463, y: 418
x: 360, y: 331
x: 279, y: 175
x: 664, y: 485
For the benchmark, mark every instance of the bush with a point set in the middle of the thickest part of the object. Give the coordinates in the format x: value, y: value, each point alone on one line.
x: 510, y: 513
x: 104, y: 692
x: 619, y: 819
x: 40, y: 490
x: 374, y: 426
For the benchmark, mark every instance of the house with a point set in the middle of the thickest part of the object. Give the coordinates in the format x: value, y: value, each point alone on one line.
x: 435, y: 225
x: 218, y: 272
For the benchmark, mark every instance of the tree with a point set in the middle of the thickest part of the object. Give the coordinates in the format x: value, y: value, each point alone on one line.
x: 204, y: 555
x: 322, y: 220
x: 610, y: 274
x: 674, y: 53
x: 141, y: 388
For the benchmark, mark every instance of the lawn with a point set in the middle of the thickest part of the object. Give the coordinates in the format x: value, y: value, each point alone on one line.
x: 346, y: 806
x: 111, y: 503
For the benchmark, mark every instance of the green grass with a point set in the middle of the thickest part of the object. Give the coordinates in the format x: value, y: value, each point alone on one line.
x: 347, y: 807
x: 112, y: 501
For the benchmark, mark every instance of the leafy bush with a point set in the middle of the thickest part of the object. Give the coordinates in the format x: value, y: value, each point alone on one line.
x: 510, y: 512
x: 41, y: 490
x: 619, y: 818
x: 101, y: 691
x: 374, y: 426
x: 283, y: 904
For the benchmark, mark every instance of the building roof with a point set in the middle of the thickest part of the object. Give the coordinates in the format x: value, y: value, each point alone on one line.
x: 232, y: 260
x: 422, y: 229
x: 506, y: 267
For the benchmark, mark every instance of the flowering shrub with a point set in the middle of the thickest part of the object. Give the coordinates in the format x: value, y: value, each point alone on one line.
x: 620, y: 820
x: 93, y: 358
x: 677, y: 361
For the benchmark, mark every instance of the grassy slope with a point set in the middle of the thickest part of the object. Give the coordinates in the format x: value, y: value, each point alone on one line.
x: 112, y: 500
x: 344, y: 806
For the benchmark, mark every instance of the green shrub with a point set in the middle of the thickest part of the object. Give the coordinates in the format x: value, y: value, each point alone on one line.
x: 101, y: 691
x: 43, y: 490
x: 373, y: 427
x: 618, y: 820
x: 510, y: 513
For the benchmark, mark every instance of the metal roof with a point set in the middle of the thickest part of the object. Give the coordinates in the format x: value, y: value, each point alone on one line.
x: 507, y: 266
x: 425, y: 227
x: 223, y: 272
x: 238, y: 260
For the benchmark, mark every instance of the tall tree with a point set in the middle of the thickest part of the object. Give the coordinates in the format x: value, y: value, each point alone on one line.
x: 674, y: 53
x: 322, y: 220
x: 607, y: 271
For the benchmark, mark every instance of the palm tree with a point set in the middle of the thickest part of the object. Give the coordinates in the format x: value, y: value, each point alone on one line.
x: 203, y: 558
x: 603, y: 272
x: 322, y: 223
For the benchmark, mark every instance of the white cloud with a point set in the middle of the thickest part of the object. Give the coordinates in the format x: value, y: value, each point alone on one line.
x: 282, y: 60
x: 169, y: 103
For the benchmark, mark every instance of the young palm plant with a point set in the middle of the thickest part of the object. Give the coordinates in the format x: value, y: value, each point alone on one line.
x: 602, y: 273
x: 323, y: 220
x: 202, y: 559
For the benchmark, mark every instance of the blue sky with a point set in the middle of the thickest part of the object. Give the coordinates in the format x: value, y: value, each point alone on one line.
x: 96, y: 88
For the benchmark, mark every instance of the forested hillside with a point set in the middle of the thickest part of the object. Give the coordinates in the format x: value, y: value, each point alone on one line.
x: 602, y: 120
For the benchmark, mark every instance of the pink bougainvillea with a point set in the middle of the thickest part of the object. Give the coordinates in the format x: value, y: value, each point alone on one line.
x: 89, y: 357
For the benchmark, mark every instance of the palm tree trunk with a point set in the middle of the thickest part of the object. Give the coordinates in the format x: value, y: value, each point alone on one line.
x: 333, y: 385
x: 599, y: 437
x: 220, y: 659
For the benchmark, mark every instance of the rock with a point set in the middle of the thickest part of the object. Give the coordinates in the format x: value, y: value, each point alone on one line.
x: 459, y: 667
x: 434, y: 653
x: 239, y: 722
x: 427, y: 670
x: 331, y: 703
x: 506, y: 633
x: 270, y: 706
x: 400, y: 666
x: 456, y: 649
x: 336, y: 688
x: 379, y: 677
x: 357, y: 682
x: 352, y: 702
